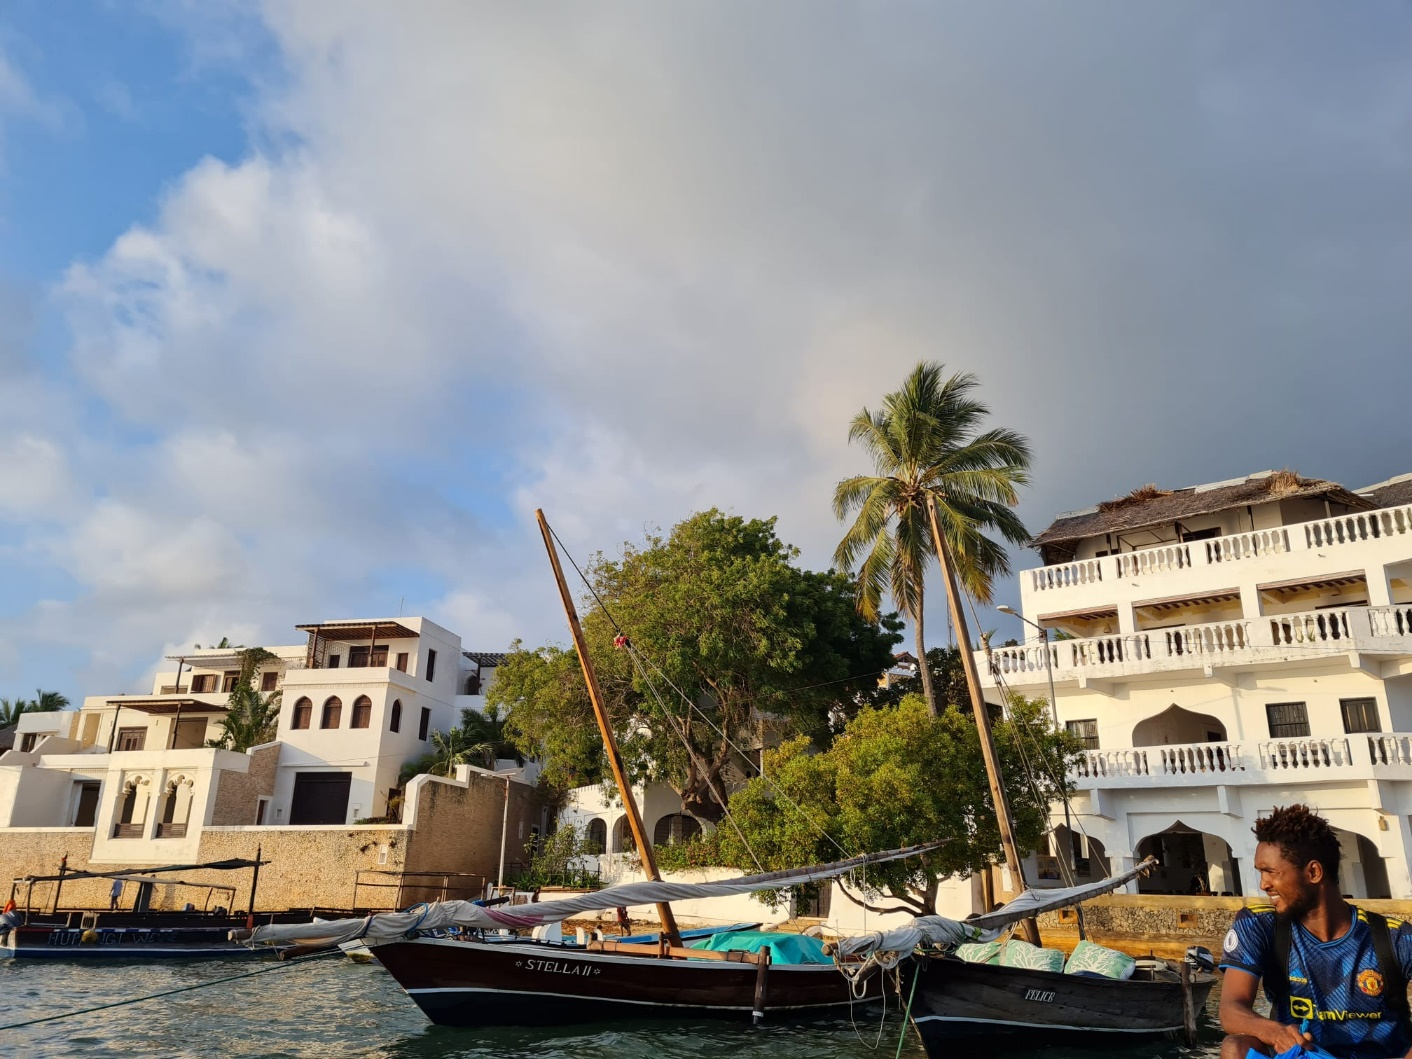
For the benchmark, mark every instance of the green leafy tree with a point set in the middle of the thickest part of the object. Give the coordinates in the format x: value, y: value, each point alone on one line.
x: 759, y: 645
x: 251, y: 719
x: 927, y: 444
x: 565, y: 857
x: 899, y: 776
x: 489, y: 729
x: 449, y: 749
x: 10, y: 711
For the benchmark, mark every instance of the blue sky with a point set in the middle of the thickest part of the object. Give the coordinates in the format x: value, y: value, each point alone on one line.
x: 306, y: 306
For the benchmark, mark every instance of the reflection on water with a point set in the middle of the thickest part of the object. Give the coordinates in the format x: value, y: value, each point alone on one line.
x: 337, y: 1007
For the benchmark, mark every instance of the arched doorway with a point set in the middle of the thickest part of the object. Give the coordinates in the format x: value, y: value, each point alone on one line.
x: 1175, y: 725
x: 1087, y: 855
x: 1189, y: 862
x: 1361, y: 870
x: 622, y: 836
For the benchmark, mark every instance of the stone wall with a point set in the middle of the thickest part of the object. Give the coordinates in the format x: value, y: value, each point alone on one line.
x: 38, y: 851
x: 309, y: 867
x: 238, y: 792
x: 457, y: 829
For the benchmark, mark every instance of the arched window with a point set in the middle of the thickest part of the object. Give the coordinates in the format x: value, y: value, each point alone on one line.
x: 473, y: 684
x: 597, y: 835
x: 333, y: 713
x: 132, y: 809
x: 396, y: 723
x: 303, y: 714
x: 362, y: 712
x: 176, y: 808
x: 673, y: 829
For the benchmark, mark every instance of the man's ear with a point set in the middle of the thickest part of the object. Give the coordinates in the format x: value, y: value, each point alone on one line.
x: 1314, y: 873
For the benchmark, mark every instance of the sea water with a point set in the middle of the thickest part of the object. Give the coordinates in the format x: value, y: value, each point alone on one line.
x: 332, y: 1006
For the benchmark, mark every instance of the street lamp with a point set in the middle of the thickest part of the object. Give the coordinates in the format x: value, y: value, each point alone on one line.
x: 1048, y: 665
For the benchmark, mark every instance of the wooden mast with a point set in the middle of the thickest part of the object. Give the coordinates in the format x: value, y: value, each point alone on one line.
x: 610, y: 744
x: 978, y: 707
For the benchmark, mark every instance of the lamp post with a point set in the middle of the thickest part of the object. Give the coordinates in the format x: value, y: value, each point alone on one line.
x: 1064, y: 855
x: 1048, y: 665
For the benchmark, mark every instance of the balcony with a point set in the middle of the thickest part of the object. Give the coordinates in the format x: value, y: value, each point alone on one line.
x: 1274, y: 639
x: 351, y: 676
x: 1341, y: 535
x: 1375, y: 756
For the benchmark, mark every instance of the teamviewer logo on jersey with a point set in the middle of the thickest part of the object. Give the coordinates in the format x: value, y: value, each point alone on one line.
x: 1370, y: 982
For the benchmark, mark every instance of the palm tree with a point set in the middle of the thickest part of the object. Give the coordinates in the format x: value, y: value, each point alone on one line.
x: 487, y: 729
x: 10, y: 711
x: 47, y: 701
x: 927, y: 447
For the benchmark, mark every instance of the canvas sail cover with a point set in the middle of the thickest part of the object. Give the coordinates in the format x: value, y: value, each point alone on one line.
x: 945, y: 933
x: 467, y: 915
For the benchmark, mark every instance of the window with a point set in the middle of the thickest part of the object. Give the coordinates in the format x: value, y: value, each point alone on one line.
x: 401, y: 661
x: 228, y: 681
x: 1360, y: 715
x: 27, y: 742
x: 1085, y: 730
x: 473, y: 684
x: 425, y: 724
x: 87, y: 809
x: 362, y: 712
x: 396, y: 724
x: 132, y: 738
x: 1200, y: 535
x: 431, y: 664
x: 269, y: 680
x: 675, y: 829
x: 333, y: 661
x: 597, y: 836
x: 203, y: 684
x: 1288, y: 720
x: 333, y: 713
x: 362, y: 657
x: 303, y: 713
x: 262, y: 809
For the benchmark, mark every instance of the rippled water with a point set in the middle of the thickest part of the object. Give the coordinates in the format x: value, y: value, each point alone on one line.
x: 332, y: 1006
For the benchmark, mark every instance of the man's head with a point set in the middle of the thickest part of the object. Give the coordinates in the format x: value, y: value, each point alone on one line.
x: 1297, y: 858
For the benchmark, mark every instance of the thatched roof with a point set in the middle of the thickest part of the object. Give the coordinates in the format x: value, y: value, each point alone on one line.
x: 1151, y: 506
x: 1395, y: 492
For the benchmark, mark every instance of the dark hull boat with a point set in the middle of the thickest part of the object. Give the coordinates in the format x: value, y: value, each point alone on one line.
x: 129, y: 935
x: 470, y: 983
x: 956, y: 1000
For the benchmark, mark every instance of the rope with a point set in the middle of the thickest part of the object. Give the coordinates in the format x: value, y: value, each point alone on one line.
x: 907, y: 1014
x: 169, y: 992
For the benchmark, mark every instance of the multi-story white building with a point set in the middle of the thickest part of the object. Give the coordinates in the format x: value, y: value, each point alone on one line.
x: 1222, y: 650
x: 359, y: 699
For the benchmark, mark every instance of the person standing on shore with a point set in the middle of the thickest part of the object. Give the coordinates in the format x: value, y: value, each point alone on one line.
x: 1335, y: 975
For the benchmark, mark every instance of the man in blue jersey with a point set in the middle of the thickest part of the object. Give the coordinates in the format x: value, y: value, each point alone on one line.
x: 1336, y: 976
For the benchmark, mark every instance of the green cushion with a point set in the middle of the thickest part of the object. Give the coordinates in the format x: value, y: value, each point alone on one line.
x: 1096, y: 959
x: 1019, y: 953
x: 979, y: 952
x: 784, y: 948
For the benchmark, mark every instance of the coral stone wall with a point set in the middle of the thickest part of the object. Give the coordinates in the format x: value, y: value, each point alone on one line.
x: 237, y: 793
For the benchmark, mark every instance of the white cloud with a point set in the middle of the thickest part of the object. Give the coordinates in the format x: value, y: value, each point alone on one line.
x: 625, y: 264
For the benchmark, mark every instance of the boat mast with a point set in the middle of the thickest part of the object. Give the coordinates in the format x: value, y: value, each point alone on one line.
x: 978, y: 708
x: 610, y: 744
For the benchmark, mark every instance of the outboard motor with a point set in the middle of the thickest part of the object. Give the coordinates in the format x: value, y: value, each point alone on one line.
x: 8, y: 922
x: 1199, y: 957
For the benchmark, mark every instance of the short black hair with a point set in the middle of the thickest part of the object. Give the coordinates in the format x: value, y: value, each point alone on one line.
x: 1302, y: 835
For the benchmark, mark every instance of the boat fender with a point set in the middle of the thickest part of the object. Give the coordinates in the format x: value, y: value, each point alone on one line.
x: 89, y: 937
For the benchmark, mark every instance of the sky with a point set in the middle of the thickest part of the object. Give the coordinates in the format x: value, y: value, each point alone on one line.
x: 306, y: 306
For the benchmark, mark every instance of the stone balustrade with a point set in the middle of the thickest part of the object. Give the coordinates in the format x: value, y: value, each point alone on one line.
x: 1320, y: 534
x: 1387, y: 756
x: 1376, y: 630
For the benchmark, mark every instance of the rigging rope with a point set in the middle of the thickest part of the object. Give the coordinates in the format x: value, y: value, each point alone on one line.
x: 286, y: 965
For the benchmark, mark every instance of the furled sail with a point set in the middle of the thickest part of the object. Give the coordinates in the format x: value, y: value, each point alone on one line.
x: 465, y: 914
x: 942, y: 932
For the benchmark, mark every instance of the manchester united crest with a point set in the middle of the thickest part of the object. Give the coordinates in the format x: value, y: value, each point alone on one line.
x: 1370, y: 982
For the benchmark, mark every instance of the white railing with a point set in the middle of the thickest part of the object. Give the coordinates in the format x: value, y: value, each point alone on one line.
x: 1163, y: 558
x: 1309, y: 627
x: 1247, y: 545
x: 1192, y: 758
x: 1395, y: 620
x: 1023, y: 659
x: 1305, y: 754
x: 1217, y: 637
x: 1082, y: 572
x: 1393, y: 748
x: 1156, y: 560
x: 1104, y: 763
x: 1107, y: 650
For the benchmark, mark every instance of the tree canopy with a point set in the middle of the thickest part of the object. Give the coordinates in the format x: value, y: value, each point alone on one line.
x: 927, y: 446
x: 720, y: 611
x: 251, y: 718
x: 897, y: 776
x: 43, y: 702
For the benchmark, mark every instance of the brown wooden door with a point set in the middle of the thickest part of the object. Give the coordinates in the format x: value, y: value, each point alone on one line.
x: 320, y: 798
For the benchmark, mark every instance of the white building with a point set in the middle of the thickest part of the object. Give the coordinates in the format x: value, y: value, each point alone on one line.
x: 358, y: 700
x: 1226, y: 649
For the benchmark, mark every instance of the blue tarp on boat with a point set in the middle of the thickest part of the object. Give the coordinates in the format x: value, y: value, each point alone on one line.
x: 784, y: 948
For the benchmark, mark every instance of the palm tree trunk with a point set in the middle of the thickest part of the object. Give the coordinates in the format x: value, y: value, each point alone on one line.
x: 922, y: 667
